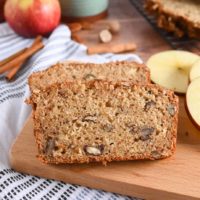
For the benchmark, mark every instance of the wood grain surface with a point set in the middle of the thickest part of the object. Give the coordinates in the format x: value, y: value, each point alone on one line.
x: 176, y: 178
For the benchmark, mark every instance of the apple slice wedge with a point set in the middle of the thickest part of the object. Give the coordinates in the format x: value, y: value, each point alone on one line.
x: 171, y: 69
x: 195, y: 70
x: 193, y: 100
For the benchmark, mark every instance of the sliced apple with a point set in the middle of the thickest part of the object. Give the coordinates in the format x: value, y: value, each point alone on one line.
x: 195, y: 70
x: 193, y: 100
x: 171, y: 69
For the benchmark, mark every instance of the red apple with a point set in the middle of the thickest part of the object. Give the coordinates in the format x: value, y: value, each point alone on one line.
x: 2, y: 2
x: 32, y: 17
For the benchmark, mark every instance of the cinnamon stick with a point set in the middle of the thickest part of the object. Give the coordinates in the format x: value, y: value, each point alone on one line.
x: 13, y: 71
x: 37, y: 40
x: 86, y: 25
x: 111, y: 48
x: 74, y: 27
x: 23, y: 56
x: 76, y: 38
x: 3, y: 62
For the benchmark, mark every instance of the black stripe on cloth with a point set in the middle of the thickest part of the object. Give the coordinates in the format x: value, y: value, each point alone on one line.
x: 11, y: 49
x: 12, y: 192
x: 6, y: 34
x: 14, y: 184
x: 73, y: 51
x: 6, y: 38
x: 6, y: 92
x: 42, y: 186
x: 4, y: 46
x: 108, y: 55
x: 36, y: 189
x: 12, y: 96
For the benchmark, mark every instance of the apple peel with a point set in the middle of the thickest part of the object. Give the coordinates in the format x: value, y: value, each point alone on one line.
x: 31, y: 18
x: 193, y: 100
x: 195, y: 70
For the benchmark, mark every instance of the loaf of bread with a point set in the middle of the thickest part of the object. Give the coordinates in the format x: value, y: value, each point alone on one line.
x: 181, y: 17
x: 100, y: 121
x: 69, y: 71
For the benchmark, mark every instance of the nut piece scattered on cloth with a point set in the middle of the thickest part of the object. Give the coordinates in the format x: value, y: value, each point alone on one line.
x: 105, y: 36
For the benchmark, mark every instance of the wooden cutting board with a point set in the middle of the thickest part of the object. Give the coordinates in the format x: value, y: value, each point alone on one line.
x: 175, y: 178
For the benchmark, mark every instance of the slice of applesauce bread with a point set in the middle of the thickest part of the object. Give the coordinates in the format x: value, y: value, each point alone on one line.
x: 181, y: 17
x: 69, y: 71
x: 81, y: 122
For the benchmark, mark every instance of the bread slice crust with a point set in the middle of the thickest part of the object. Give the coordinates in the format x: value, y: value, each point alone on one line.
x: 72, y: 70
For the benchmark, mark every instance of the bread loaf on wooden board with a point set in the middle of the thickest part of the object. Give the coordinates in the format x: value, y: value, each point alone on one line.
x: 81, y: 122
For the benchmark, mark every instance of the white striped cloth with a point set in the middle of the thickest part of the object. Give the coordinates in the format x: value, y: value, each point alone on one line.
x: 14, y: 112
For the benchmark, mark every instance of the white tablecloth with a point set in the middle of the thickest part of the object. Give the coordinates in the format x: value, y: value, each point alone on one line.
x: 14, y: 112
